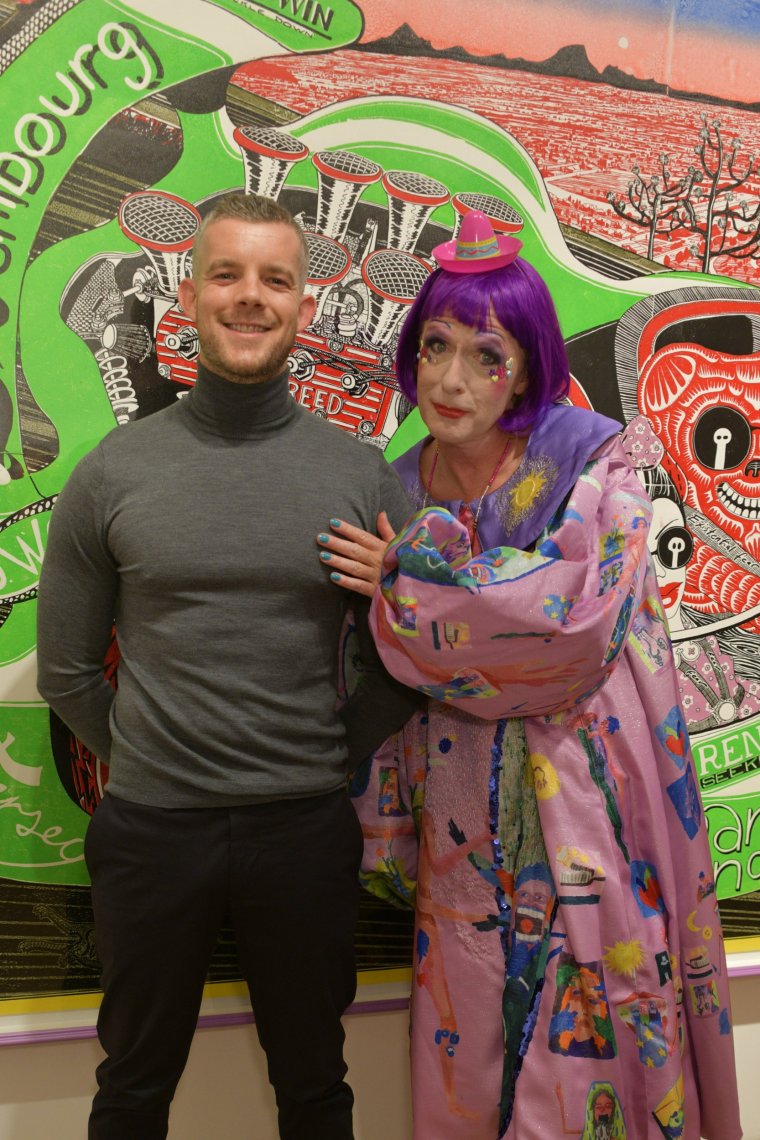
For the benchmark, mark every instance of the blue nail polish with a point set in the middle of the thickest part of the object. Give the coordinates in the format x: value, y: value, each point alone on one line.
x: 334, y: 577
x: 325, y: 555
x: 334, y: 522
x: 322, y: 537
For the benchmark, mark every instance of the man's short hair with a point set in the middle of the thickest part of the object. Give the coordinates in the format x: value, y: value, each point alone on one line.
x: 257, y: 210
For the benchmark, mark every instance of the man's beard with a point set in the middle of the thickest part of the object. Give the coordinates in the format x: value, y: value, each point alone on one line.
x: 235, y: 367
x: 603, y: 1129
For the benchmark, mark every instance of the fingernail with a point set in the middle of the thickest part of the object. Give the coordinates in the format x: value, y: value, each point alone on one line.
x: 325, y: 555
x: 334, y: 577
x: 334, y: 522
x: 322, y: 538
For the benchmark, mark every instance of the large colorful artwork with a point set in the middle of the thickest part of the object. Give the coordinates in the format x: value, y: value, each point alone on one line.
x: 635, y: 192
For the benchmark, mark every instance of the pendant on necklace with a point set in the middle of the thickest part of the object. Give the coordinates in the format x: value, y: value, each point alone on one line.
x: 429, y: 484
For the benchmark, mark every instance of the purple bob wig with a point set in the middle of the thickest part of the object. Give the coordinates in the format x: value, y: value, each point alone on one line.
x: 522, y: 304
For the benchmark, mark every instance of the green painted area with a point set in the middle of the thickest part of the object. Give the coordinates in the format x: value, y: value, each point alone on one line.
x: 42, y: 839
x: 734, y: 830
x: 302, y: 25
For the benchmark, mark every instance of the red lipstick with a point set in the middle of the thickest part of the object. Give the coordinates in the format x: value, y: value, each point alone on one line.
x: 449, y: 413
x: 669, y: 595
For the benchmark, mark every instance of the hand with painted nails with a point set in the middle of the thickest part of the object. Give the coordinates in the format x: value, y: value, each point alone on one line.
x: 353, y: 556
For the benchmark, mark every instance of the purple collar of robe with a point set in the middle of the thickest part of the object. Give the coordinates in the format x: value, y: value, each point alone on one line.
x: 518, y: 511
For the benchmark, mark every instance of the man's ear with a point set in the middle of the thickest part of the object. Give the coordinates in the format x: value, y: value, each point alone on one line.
x: 186, y: 296
x: 306, y: 310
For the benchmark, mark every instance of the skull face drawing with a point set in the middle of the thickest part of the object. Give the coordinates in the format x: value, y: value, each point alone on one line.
x: 705, y: 407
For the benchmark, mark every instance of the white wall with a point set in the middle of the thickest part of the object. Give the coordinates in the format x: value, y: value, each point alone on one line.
x: 45, y: 1089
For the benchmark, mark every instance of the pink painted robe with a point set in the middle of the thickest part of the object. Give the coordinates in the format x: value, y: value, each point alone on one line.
x: 569, y: 974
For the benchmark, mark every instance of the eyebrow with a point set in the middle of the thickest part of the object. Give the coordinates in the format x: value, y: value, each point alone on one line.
x: 479, y: 332
x: 233, y: 263
x: 220, y: 263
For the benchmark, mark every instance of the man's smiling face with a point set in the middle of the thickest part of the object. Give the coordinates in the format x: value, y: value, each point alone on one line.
x: 246, y: 299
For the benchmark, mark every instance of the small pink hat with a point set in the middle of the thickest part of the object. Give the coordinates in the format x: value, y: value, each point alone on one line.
x: 477, y: 249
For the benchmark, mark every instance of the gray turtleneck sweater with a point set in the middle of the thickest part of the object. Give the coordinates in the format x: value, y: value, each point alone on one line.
x: 195, y: 529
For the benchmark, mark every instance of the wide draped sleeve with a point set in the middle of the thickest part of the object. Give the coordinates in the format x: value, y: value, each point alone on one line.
x: 512, y: 632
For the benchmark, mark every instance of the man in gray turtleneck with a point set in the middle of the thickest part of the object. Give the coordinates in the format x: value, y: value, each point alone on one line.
x: 194, y: 530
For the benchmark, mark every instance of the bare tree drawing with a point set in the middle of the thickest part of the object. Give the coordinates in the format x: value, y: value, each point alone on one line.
x: 707, y: 201
x: 726, y: 223
x: 654, y: 202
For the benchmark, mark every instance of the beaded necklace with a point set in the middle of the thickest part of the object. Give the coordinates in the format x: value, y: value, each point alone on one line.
x: 429, y: 484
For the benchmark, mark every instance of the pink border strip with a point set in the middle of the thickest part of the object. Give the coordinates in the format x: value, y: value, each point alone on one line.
x: 743, y: 971
x: 205, y: 1021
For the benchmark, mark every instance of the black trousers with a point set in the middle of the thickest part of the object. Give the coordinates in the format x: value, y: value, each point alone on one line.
x: 162, y: 882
